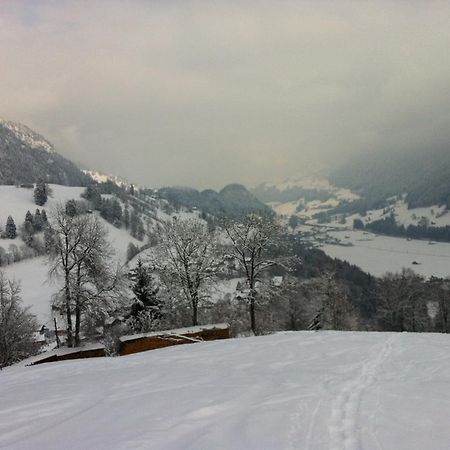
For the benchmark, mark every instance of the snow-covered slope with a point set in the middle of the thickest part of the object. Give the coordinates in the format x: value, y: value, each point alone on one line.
x: 304, y: 196
x: 36, y: 288
x: 27, y: 136
x: 315, y: 391
x: 16, y: 201
x: 27, y: 157
x: 33, y: 273
x: 100, y: 177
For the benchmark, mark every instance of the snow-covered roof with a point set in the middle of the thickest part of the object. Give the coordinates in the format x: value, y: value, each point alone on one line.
x: 178, y: 331
x: 277, y: 280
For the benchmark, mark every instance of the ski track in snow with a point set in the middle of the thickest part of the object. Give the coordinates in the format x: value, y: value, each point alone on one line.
x: 344, y: 428
x: 290, y: 391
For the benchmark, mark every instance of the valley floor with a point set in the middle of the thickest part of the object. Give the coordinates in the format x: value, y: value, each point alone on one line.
x: 302, y: 390
x: 379, y: 254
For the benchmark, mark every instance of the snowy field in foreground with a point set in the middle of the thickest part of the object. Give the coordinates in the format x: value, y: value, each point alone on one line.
x: 308, y: 391
x: 380, y: 254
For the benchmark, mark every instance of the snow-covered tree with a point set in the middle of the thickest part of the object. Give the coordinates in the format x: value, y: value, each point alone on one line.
x: 28, y: 228
x: 255, y: 243
x: 93, y: 196
x: 81, y: 256
x: 439, y: 292
x: 10, y: 229
x: 44, y: 217
x: 330, y: 307
x: 147, y: 309
x: 40, y: 193
x: 402, y: 305
x: 38, y: 221
x: 17, y: 324
x: 132, y: 251
x: 126, y: 218
x: 188, y: 258
x: 71, y: 208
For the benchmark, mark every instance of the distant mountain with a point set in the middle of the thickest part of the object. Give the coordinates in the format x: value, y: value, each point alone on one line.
x: 26, y: 157
x: 233, y: 200
x: 100, y: 177
x: 423, y: 175
x: 304, y: 187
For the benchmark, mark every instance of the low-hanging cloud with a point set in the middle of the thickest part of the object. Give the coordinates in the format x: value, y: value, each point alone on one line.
x: 206, y: 93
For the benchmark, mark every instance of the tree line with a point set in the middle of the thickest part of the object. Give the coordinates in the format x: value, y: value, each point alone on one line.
x: 389, y: 226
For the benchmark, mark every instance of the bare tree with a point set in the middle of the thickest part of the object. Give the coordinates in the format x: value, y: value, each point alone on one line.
x: 256, y: 245
x: 402, y: 305
x: 81, y: 256
x: 438, y: 290
x: 331, y: 305
x: 17, y: 324
x: 188, y: 258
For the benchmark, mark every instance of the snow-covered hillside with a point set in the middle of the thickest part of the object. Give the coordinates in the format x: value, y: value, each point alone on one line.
x: 313, y: 183
x: 309, y: 391
x: 303, y: 196
x: 16, y: 201
x: 27, y: 136
x: 100, y: 177
x: 32, y: 273
x: 435, y: 216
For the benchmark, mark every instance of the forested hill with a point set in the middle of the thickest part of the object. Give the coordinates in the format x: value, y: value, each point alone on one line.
x: 26, y: 157
x: 232, y: 201
x: 423, y: 175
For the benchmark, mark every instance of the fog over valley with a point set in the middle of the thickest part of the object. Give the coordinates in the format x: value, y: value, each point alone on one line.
x: 203, y: 94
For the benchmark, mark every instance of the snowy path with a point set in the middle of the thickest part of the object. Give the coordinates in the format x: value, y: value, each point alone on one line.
x: 344, y: 427
x: 296, y: 391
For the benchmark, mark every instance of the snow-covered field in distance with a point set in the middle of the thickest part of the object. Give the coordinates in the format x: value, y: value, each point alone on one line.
x: 302, y: 390
x: 380, y: 254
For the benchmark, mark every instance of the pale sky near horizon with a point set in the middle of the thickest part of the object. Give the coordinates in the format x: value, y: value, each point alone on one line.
x: 204, y: 93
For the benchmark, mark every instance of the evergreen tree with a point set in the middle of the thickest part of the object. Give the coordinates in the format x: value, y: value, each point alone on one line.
x: 134, y: 218
x: 91, y: 193
x: 28, y: 228
x: 71, y: 208
x: 145, y: 291
x: 140, y: 231
x: 10, y: 229
x: 38, y: 222
x: 126, y: 218
x: 44, y: 218
x: 40, y: 193
x: 30, y: 220
x: 132, y: 251
x: 116, y: 212
x: 48, y: 239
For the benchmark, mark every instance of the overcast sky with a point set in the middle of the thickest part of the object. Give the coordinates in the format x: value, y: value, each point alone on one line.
x: 208, y: 93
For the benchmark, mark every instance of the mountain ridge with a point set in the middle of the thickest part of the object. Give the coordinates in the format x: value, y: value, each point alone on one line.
x: 26, y: 157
